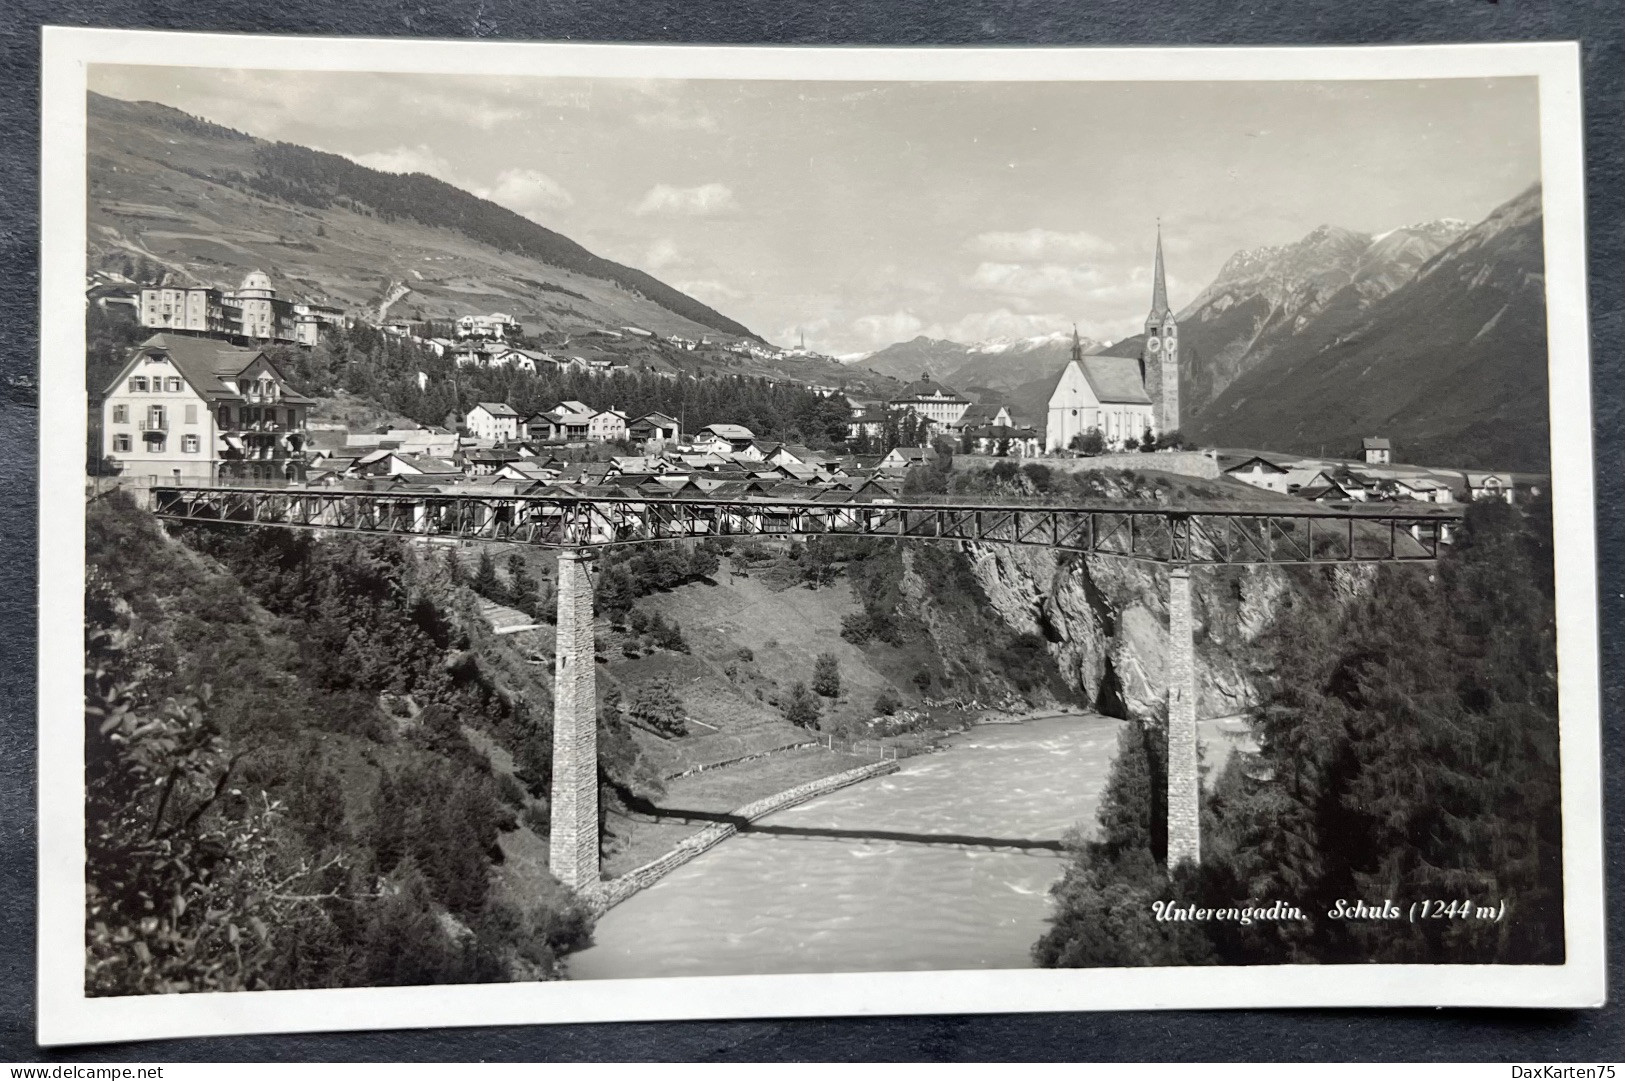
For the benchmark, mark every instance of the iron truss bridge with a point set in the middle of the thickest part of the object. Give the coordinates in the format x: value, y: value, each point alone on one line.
x: 1211, y: 534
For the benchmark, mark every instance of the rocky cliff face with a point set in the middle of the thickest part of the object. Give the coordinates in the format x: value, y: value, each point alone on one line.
x: 1106, y: 620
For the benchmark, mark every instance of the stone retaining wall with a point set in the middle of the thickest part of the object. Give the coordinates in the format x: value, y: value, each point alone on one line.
x: 1188, y: 463
x: 607, y: 895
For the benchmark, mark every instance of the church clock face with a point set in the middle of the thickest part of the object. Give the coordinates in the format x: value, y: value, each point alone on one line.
x: 1154, y: 344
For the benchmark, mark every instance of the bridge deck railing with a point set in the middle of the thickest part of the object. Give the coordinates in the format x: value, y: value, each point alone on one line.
x: 1164, y: 533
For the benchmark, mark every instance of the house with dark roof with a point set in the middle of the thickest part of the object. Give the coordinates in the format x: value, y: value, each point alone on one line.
x: 1004, y: 440
x: 727, y: 439
x: 196, y: 409
x: 654, y: 428
x: 985, y: 416
x: 494, y: 422
x: 486, y: 461
x: 1375, y: 450
x: 1261, y: 473
x: 907, y: 457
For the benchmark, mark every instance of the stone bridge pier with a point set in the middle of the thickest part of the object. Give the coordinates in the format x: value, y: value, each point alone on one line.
x: 573, y: 826
x: 1184, y: 778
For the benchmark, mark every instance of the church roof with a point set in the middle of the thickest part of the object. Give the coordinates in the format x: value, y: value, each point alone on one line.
x: 1115, y: 380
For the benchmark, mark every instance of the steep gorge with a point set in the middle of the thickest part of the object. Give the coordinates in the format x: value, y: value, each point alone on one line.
x: 1106, y: 621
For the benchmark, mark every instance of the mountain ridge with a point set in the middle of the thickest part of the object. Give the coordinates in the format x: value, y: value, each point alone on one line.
x: 1450, y: 365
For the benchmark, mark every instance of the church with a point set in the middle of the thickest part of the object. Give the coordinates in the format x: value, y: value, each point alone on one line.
x: 1121, y: 397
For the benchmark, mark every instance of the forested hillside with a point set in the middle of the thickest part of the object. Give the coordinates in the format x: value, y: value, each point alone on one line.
x: 284, y: 764
x: 368, y: 363
x: 1407, y: 750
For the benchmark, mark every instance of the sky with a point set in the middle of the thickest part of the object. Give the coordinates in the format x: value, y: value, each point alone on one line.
x: 862, y: 214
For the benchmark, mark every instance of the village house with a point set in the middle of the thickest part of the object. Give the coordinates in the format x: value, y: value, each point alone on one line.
x: 1489, y: 486
x: 1002, y: 440
x: 485, y: 461
x: 493, y: 422
x: 726, y: 439
x: 654, y: 429
x: 1325, y: 490
x: 984, y: 416
x: 1261, y: 473
x: 494, y: 327
x: 197, y: 409
x: 607, y: 426
x: 1375, y: 450
x: 907, y: 457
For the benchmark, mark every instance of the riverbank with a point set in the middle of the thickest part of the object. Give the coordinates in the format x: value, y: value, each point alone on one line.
x: 609, y: 894
x: 944, y: 862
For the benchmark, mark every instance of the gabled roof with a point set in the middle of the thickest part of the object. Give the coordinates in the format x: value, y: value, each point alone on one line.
x: 731, y: 432
x: 657, y: 418
x: 1269, y: 466
x: 425, y: 464
x: 496, y: 409
x: 493, y: 454
x: 1375, y: 442
x: 205, y: 362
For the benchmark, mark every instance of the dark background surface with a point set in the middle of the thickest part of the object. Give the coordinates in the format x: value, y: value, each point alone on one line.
x: 1507, y: 1035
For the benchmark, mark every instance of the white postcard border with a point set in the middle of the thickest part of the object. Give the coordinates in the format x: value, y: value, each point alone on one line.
x: 66, y: 1015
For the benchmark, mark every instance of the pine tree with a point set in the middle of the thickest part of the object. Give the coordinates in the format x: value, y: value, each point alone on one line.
x: 486, y: 583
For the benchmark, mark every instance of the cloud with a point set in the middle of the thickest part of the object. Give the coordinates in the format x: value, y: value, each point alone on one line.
x: 709, y: 290
x: 662, y: 254
x: 698, y: 202
x: 675, y: 119
x: 1035, y: 245
x: 405, y: 159
x: 526, y: 191
x: 897, y: 326
x: 1020, y: 279
x: 999, y: 323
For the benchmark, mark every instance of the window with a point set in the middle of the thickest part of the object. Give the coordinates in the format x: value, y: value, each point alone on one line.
x: 172, y: 385
x: 138, y: 384
x: 225, y: 416
x: 155, y: 416
x: 121, y: 414
x: 191, y: 414
x: 121, y: 443
x: 189, y: 444
x: 157, y: 442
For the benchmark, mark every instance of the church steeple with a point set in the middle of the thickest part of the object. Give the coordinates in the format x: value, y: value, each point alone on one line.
x: 1159, y: 284
x: 1159, y: 359
x: 1077, y: 345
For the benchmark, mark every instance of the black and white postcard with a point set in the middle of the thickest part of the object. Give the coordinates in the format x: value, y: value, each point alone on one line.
x: 555, y: 533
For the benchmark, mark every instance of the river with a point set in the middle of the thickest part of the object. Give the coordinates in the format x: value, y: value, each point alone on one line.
x: 901, y: 872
